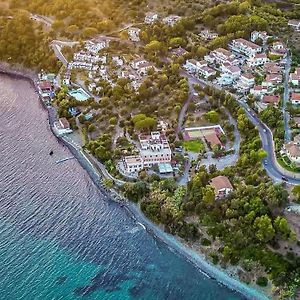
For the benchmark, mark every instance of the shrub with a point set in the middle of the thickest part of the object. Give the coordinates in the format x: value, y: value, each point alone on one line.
x: 262, y: 281
x: 205, y: 242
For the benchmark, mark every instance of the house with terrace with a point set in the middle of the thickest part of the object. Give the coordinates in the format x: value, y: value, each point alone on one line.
x: 245, y: 47
x: 154, y: 150
x: 220, y: 56
x: 268, y: 100
x: 245, y: 83
x: 272, y: 68
x: 222, y: 187
x: 151, y: 17
x: 294, y: 78
x: 295, y: 98
x: 208, y: 35
x: 134, y: 34
x: 231, y: 70
x: 171, y: 20
x: 259, y: 35
x: 258, y: 59
x: 278, y: 49
x: 292, y: 150
x: 259, y: 91
x: 193, y: 66
x: 62, y: 127
x: 135, y: 64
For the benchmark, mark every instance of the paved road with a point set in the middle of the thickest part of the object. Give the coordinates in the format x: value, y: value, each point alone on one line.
x: 272, y: 168
x: 43, y: 19
x: 57, y: 51
x: 184, y: 108
x: 285, y: 113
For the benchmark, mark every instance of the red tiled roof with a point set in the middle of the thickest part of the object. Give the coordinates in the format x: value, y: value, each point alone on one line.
x: 273, y: 99
x: 221, y: 182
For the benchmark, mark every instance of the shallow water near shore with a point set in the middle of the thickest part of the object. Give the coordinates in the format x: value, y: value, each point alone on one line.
x: 60, y: 237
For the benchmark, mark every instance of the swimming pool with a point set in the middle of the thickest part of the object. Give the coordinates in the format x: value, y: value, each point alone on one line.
x: 79, y: 95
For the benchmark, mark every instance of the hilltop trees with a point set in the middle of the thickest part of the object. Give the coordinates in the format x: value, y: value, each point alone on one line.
x: 21, y: 42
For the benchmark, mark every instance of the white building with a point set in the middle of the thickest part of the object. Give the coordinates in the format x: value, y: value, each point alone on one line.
x: 118, y: 61
x: 171, y: 20
x: 67, y: 78
x: 263, y: 35
x: 154, y: 150
x: 133, y: 163
x: 293, y: 152
x: 225, y: 79
x: 295, y: 98
x: 137, y: 62
x: 233, y: 71
x: 193, y: 66
x: 207, y: 72
x: 62, y: 127
x: 134, y: 34
x: 95, y: 47
x: 295, y: 77
x: 151, y: 17
x: 220, y: 56
x: 258, y: 59
x: 208, y: 35
x: 247, y: 80
x: 259, y: 91
x: 245, y: 47
x: 81, y: 65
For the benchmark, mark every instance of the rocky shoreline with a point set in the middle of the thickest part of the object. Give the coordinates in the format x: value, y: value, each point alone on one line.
x: 196, y: 258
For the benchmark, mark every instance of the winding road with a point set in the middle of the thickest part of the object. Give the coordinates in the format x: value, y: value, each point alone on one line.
x: 271, y: 166
x: 273, y: 169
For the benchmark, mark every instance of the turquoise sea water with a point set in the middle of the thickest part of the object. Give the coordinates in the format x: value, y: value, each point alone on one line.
x: 61, y: 238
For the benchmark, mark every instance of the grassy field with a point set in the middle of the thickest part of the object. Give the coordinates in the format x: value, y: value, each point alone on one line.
x: 194, y: 146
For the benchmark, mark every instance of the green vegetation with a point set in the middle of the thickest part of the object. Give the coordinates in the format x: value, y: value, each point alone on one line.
x: 262, y: 281
x: 248, y: 223
x: 21, y: 41
x: 194, y: 146
x: 285, y: 162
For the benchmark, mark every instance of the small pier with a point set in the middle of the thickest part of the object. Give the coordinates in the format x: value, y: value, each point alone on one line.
x: 64, y: 159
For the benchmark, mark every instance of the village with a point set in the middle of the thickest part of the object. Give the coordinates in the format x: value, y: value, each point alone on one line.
x: 256, y: 71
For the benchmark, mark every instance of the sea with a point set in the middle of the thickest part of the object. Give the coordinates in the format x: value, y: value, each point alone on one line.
x: 61, y: 238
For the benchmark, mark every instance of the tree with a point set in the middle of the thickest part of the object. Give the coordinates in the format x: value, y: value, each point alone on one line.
x: 176, y: 42
x: 212, y: 116
x: 89, y: 32
x: 296, y: 192
x: 208, y: 196
x: 72, y: 29
x: 135, y: 191
x: 201, y: 51
x: 263, y: 227
x: 154, y: 47
x: 282, y: 227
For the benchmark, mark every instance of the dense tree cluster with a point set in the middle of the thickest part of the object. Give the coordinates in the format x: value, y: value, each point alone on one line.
x: 22, y: 42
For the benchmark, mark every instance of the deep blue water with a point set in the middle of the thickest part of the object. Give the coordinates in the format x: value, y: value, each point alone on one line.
x: 60, y: 238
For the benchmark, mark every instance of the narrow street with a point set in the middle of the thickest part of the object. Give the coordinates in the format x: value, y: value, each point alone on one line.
x: 285, y: 113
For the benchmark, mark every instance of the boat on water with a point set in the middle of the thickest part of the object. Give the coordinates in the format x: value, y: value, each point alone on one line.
x: 51, y: 152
